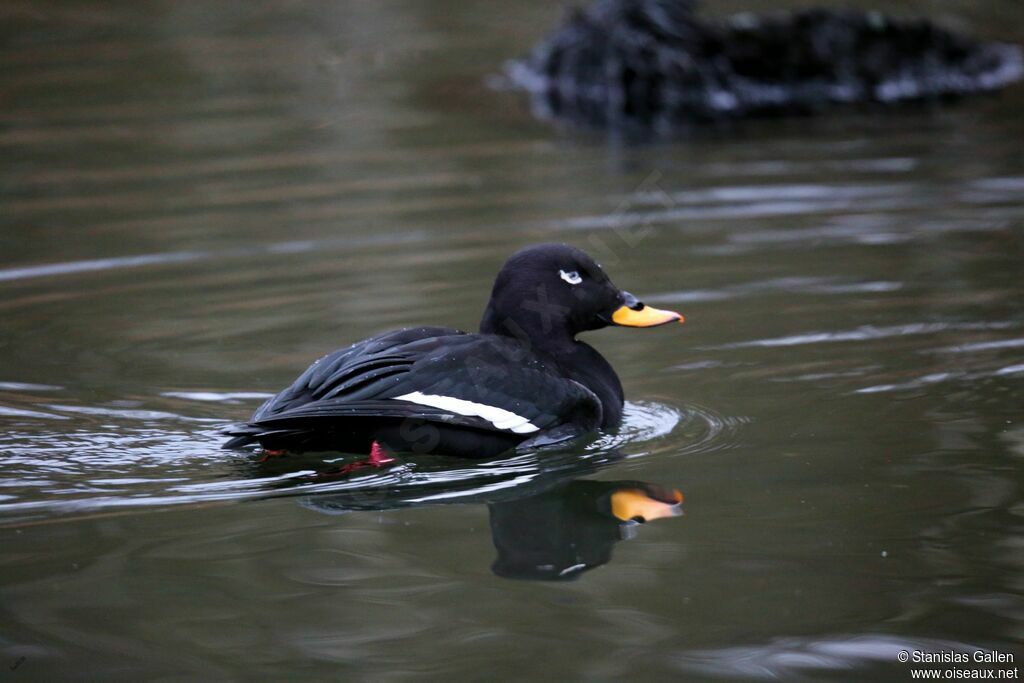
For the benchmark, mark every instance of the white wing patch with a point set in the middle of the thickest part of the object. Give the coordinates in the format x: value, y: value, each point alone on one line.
x: 499, y: 417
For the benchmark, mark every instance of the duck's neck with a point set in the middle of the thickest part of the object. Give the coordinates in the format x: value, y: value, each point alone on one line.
x: 588, y: 367
x: 535, y: 332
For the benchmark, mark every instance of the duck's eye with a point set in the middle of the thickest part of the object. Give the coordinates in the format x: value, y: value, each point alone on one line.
x: 572, y: 277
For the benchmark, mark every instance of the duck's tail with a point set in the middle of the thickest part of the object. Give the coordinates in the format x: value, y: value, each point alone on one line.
x: 242, y: 435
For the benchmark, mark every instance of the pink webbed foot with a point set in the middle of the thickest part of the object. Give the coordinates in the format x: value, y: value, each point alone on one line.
x: 268, y: 454
x: 378, y: 458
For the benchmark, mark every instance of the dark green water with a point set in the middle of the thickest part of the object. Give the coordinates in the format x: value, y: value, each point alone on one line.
x: 198, y: 200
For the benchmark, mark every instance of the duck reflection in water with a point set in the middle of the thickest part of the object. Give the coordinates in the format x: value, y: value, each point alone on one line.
x: 561, y: 533
x: 551, y: 528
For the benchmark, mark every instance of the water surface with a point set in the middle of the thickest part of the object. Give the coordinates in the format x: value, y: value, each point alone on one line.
x: 198, y: 201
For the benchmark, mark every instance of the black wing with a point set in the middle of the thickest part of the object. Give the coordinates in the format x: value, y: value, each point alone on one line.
x: 354, y: 373
x: 441, y: 375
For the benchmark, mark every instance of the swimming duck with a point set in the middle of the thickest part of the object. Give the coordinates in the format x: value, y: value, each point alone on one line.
x: 524, y: 380
x: 656, y: 65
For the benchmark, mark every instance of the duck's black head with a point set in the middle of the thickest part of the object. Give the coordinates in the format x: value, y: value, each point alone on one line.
x: 554, y: 291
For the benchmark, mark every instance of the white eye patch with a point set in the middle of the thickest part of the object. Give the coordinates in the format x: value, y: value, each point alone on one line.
x: 572, y: 277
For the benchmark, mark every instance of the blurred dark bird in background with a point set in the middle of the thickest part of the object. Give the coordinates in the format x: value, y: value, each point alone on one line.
x: 654, y: 64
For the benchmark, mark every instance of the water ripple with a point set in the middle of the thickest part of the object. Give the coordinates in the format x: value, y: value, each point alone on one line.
x: 791, y: 658
x: 867, y: 333
x: 24, y: 386
x: 217, y: 396
x: 175, y: 257
x: 37, y: 414
x: 938, y: 377
x: 149, y: 458
x: 789, y: 285
x: 982, y: 346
